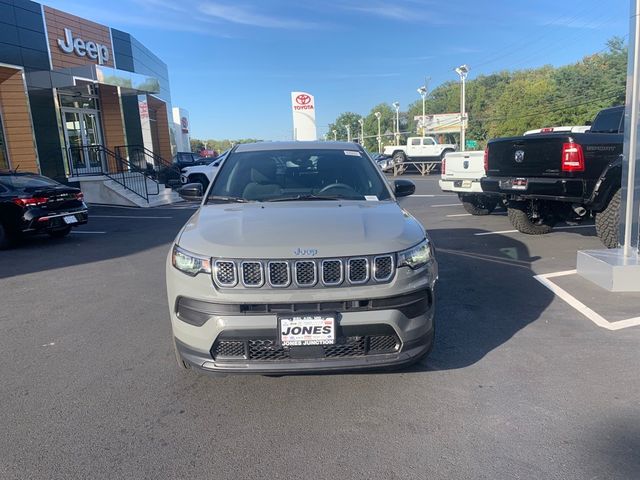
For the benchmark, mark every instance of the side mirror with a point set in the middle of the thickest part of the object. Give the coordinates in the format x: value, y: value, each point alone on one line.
x: 404, y: 188
x: 191, y: 192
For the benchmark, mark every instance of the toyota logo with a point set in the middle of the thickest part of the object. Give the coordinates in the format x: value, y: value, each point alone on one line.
x: 303, y: 99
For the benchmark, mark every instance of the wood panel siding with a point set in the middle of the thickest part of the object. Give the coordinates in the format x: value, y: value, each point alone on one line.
x: 56, y: 21
x: 162, y: 128
x: 16, y: 120
x: 111, y: 113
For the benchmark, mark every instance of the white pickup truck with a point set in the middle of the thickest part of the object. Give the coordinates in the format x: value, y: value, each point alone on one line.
x: 419, y: 149
x: 461, y: 173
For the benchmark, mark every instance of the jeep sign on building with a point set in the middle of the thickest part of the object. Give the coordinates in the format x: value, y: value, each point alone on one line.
x: 304, y: 116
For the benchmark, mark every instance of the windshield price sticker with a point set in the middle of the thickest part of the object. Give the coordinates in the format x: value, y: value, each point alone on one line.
x: 352, y: 153
x: 307, y: 330
x: 371, y: 198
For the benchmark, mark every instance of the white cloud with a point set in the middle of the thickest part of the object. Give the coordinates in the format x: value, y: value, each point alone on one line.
x: 248, y: 16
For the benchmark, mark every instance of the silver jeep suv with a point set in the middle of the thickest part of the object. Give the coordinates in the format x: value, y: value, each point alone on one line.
x: 300, y: 259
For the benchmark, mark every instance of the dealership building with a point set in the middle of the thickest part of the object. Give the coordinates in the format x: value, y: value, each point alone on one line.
x: 77, y: 98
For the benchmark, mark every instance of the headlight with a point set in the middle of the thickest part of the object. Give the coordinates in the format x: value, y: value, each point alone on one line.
x: 190, y: 263
x: 415, y: 257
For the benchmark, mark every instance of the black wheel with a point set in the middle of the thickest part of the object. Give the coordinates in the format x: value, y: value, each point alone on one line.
x: 6, y: 239
x: 608, y: 222
x: 399, y: 157
x: 181, y: 363
x: 531, y: 217
x: 62, y: 232
x: 201, y: 179
x: 479, y: 204
x: 442, y: 155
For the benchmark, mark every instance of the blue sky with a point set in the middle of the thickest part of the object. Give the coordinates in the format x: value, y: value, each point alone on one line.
x: 233, y: 63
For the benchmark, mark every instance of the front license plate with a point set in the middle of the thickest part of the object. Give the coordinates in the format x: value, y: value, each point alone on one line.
x: 70, y: 219
x: 301, y: 330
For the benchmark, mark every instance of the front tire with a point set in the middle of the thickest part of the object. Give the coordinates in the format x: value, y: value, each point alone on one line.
x: 479, y: 205
x: 201, y: 179
x: 608, y: 222
x: 531, y: 217
x: 399, y: 157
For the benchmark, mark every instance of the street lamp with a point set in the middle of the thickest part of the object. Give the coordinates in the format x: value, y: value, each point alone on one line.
x: 396, y: 105
x: 348, y: 127
x: 335, y: 135
x: 378, y: 115
x: 463, y: 71
x: 423, y: 93
x: 361, y: 122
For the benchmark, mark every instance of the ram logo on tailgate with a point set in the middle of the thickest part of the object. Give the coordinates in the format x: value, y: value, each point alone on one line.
x: 519, y: 156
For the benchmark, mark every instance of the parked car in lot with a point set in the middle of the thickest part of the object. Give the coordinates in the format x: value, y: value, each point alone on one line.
x: 461, y: 173
x: 202, y: 174
x: 31, y: 203
x: 419, y: 149
x: 385, y: 162
x: 300, y: 259
x: 552, y: 176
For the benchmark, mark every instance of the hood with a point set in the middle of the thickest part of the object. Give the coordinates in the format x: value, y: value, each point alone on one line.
x: 300, y: 229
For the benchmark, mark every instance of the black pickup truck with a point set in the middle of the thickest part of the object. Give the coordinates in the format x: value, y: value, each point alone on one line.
x: 561, y: 176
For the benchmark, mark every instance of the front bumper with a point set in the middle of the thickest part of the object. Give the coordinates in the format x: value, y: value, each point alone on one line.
x: 458, y: 186
x: 402, y: 310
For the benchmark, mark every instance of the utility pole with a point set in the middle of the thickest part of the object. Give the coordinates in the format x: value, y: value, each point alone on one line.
x: 396, y: 105
x: 378, y: 115
x: 348, y: 127
x: 463, y: 71
x: 335, y: 135
x: 423, y: 93
x: 361, y: 122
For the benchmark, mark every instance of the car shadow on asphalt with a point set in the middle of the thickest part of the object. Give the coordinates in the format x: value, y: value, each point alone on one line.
x: 486, y: 294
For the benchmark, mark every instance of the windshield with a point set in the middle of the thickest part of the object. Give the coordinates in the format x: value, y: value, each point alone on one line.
x: 305, y: 174
x: 26, y: 181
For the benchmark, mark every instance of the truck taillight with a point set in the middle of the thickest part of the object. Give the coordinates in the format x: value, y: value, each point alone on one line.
x: 80, y: 196
x: 572, y: 157
x: 443, y: 169
x: 486, y: 159
x: 546, y: 130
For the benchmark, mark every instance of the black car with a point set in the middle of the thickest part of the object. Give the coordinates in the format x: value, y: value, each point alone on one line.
x: 31, y: 203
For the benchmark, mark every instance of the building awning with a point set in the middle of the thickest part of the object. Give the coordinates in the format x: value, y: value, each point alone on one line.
x: 131, y: 83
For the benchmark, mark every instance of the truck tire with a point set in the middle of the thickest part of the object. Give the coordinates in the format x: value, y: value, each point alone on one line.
x: 531, y: 218
x: 399, y: 157
x: 608, y: 222
x: 479, y: 204
x: 201, y: 179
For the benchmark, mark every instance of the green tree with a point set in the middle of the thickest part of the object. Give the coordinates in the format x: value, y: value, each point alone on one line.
x: 340, y: 126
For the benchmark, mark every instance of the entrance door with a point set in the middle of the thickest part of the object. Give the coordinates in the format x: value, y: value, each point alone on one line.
x: 83, y: 138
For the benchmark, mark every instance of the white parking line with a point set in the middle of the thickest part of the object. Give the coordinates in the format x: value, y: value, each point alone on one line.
x: 431, y: 196
x: 448, y: 205
x: 460, y: 215
x: 516, y: 231
x: 595, y: 317
x: 123, y: 216
x: 87, y: 231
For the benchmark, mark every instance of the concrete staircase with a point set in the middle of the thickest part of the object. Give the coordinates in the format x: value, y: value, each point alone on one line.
x: 122, y: 196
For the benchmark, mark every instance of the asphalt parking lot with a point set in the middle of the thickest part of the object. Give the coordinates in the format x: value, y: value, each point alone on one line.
x: 520, y: 384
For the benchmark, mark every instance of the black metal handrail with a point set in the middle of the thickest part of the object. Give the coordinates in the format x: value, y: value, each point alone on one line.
x: 98, y: 160
x: 160, y: 169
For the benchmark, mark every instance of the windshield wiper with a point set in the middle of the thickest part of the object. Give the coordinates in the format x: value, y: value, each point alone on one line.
x: 305, y: 197
x: 219, y: 198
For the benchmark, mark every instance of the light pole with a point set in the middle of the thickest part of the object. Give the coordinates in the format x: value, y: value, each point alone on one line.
x: 378, y: 115
x: 335, y: 135
x: 348, y: 127
x: 361, y: 122
x: 423, y: 93
x: 396, y: 105
x: 463, y: 71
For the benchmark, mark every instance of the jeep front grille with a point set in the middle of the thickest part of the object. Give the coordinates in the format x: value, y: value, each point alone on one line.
x: 252, y: 274
x: 225, y: 273
x: 308, y: 273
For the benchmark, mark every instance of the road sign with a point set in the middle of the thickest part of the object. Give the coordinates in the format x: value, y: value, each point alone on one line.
x: 472, y: 144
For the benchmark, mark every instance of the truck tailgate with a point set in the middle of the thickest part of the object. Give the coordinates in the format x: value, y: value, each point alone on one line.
x: 464, y: 165
x: 539, y: 156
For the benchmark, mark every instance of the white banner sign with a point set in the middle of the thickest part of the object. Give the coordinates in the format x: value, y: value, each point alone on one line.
x: 304, y: 116
x: 439, y: 123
